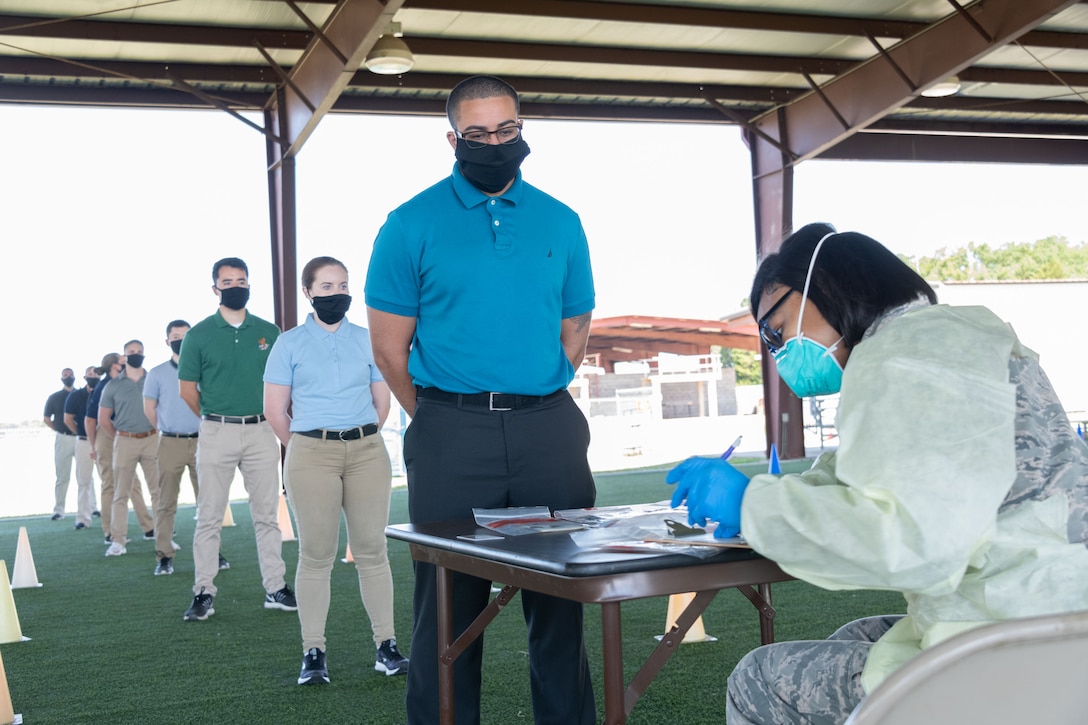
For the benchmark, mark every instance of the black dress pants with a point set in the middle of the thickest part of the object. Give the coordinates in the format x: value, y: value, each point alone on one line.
x: 463, y: 456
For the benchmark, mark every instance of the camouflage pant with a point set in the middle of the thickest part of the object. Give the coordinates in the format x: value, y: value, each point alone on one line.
x: 804, y: 683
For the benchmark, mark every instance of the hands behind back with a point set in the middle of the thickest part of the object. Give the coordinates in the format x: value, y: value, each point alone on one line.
x: 713, y: 489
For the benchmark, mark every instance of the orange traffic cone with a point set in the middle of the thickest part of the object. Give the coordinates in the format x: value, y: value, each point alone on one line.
x: 286, y: 530
x: 228, y: 517
x: 7, y: 712
x: 23, y: 574
x: 696, y: 633
x: 348, y: 558
x: 10, y: 631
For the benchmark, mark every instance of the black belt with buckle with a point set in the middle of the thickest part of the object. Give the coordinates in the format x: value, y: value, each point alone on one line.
x: 240, y: 419
x: 164, y: 434
x: 491, y: 401
x: 351, y: 434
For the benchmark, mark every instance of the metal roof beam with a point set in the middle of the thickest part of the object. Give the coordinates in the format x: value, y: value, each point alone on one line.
x: 960, y: 149
x: 873, y: 89
x: 165, y: 33
x: 328, y: 64
x: 721, y: 18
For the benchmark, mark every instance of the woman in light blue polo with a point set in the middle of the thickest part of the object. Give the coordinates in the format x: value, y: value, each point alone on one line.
x: 324, y: 371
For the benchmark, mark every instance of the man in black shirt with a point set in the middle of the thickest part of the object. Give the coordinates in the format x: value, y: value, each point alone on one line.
x: 64, y: 446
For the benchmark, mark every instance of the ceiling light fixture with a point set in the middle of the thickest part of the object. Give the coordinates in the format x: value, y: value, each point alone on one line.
x: 947, y: 87
x: 390, y: 56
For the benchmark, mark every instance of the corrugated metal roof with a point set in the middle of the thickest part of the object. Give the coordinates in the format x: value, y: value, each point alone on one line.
x: 612, y: 59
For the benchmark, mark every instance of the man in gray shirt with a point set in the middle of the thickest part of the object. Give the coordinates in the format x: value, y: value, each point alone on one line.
x: 135, y: 444
x: 178, y: 432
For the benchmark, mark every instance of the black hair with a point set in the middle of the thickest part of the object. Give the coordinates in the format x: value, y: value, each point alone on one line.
x: 228, y: 262
x: 175, y: 323
x: 855, y: 280
x: 477, y: 87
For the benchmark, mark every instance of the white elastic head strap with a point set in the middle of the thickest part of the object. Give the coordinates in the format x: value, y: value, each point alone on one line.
x: 808, y: 278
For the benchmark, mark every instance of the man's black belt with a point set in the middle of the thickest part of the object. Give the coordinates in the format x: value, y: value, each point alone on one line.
x: 351, y: 434
x: 178, y: 435
x: 491, y: 401
x: 243, y: 420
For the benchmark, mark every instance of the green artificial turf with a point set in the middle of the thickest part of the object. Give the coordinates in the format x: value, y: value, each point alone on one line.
x: 108, y: 644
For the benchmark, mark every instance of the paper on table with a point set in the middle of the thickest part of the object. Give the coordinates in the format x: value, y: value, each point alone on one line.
x: 519, y: 520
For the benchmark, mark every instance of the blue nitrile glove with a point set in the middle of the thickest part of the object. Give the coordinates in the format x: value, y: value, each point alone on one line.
x: 714, y: 490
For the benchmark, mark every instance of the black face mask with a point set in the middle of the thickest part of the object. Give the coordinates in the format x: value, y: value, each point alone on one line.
x: 135, y: 361
x: 234, y: 298
x: 91, y: 382
x: 175, y: 345
x: 491, y: 167
x: 68, y: 382
x: 330, y: 309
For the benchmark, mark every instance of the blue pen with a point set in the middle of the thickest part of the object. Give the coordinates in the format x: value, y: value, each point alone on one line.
x: 730, y: 449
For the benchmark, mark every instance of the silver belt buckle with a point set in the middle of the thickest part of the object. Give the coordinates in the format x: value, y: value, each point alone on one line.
x: 340, y: 433
x: 491, y: 402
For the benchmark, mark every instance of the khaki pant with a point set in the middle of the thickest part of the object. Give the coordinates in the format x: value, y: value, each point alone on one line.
x: 103, y: 449
x: 324, y: 478
x: 254, y: 450
x: 174, y: 454
x: 127, y: 454
x: 63, y: 448
x: 85, y: 498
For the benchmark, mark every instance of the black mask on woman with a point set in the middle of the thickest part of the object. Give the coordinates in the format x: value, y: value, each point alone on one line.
x: 491, y: 167
x: 330, y: 309
x: 234, y: 298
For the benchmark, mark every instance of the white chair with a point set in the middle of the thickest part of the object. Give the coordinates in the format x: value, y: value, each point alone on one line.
x: 1014, y: 672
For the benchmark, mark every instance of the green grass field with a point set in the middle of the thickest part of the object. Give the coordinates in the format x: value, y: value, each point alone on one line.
x: 108, y: 644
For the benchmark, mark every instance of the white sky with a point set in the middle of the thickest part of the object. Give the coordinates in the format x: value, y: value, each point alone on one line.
x: 111, y: 219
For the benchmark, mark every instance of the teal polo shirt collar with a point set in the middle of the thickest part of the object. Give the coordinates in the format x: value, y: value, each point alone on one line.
x: 470, y: 196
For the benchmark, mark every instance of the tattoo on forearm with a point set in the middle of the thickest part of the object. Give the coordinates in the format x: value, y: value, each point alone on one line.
x: 582, y: 320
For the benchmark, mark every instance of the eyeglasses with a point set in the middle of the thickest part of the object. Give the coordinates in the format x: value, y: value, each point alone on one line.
x: 477, y: 139
x: 772, y: 338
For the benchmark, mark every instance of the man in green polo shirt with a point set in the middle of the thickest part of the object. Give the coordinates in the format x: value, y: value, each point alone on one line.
x: 221, y: 377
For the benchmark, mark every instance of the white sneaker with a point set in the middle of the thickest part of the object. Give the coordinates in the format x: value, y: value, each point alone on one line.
x: 174, y: 545
x: 116, y: 549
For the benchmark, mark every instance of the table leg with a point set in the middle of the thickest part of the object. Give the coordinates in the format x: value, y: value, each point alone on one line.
x: 612, y: 652
x: 445, y: 639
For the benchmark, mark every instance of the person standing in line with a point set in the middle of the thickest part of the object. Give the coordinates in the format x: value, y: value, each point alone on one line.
x: 75, y: 411
x: 336, y: 461
x: 179, y: 429
x: 134, y: 444
x: 220, y: 378
x: 64, y: 443
x: 479, y: 296
x: 100, y: 441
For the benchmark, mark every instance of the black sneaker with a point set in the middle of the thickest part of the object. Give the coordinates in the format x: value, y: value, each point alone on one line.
x: 201, y: 608
x: 313, y: 671
x: 165, y: 566
x: 389, y: 659
x: 109, y: 540
x: 80, y: 525
x: 149, y: 535
x: 57, y: 517
x: 96, y: 513
x: 283, y: 599
x: 223, y: 563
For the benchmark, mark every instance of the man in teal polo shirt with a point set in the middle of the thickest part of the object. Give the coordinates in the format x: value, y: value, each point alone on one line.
x: 221, y: 378
x: 479, y: 296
